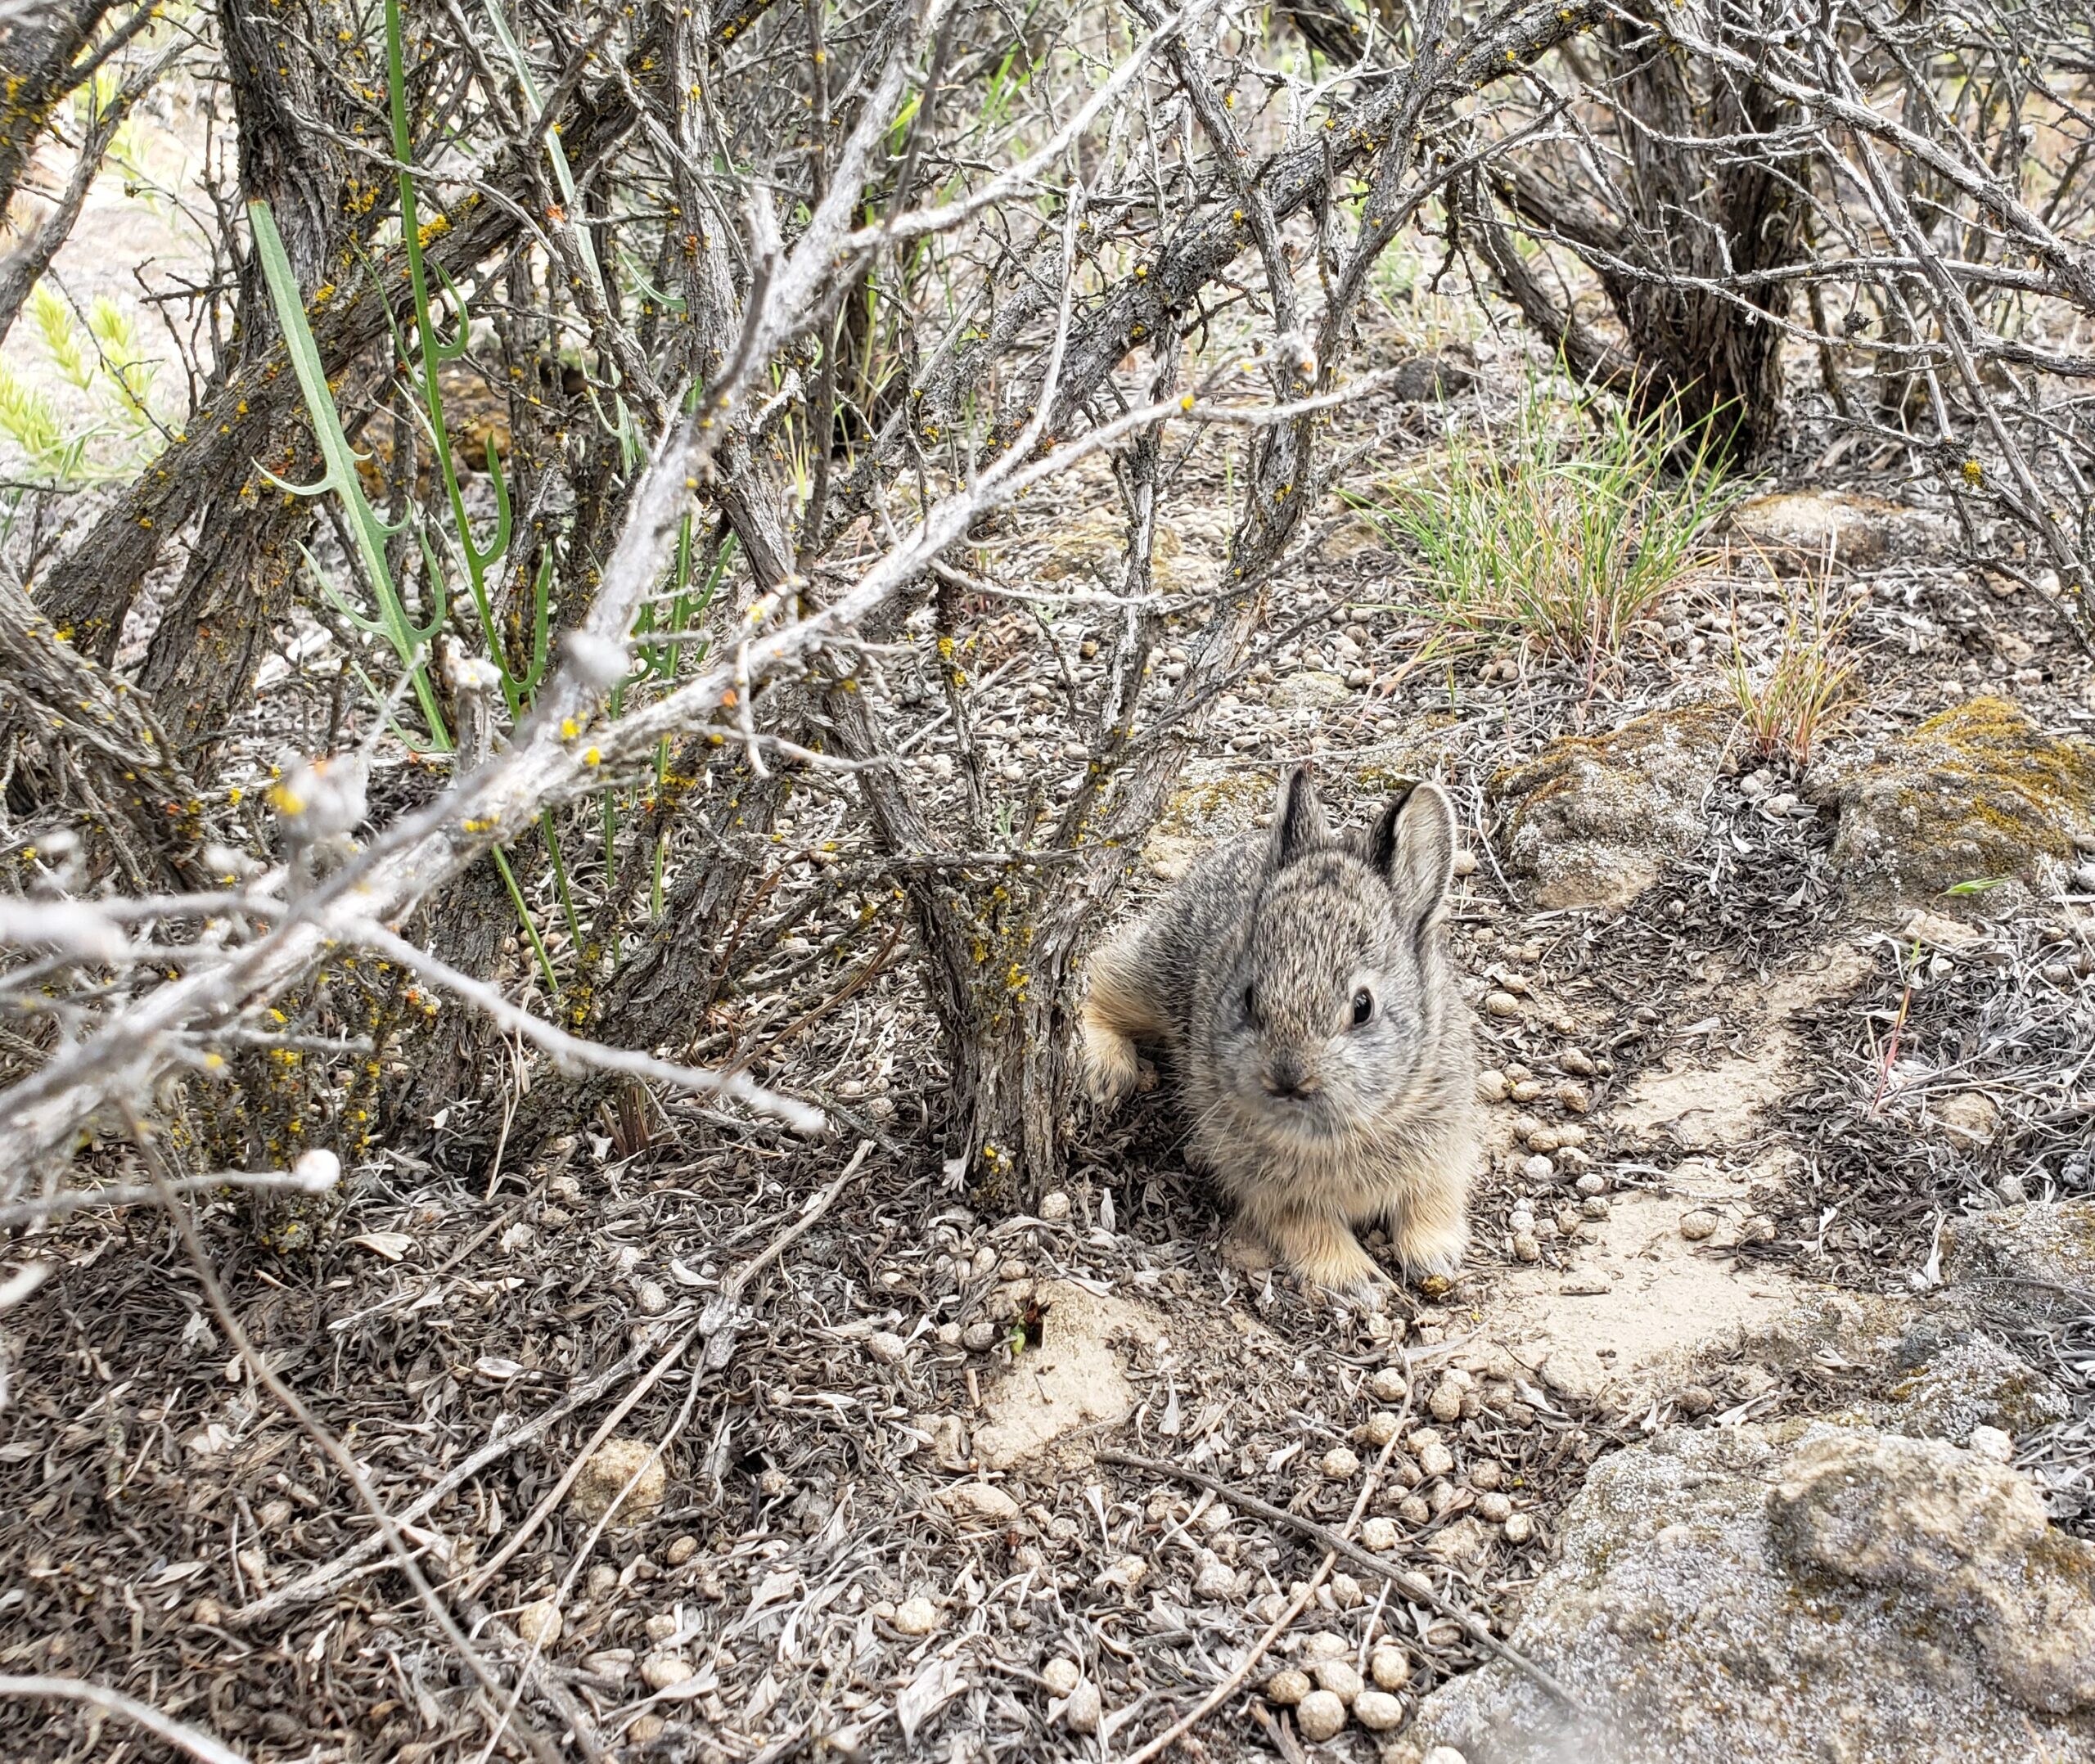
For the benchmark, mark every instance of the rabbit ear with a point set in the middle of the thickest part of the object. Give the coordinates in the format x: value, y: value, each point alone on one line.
x: 1412, y: 843
x: 1298, y: 817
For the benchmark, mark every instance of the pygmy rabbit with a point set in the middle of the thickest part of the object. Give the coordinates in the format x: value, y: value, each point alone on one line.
x: 1302, y: 987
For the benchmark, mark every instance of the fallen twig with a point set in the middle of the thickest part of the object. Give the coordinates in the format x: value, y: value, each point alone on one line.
x: 193, y: 1740
x: 1234, y: 1681
x: 1408, y: 1582
x: 330, y: 1575
x: 719, y: 1311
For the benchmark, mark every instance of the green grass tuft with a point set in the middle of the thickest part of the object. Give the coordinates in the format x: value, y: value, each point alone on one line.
x: 1562, y: 530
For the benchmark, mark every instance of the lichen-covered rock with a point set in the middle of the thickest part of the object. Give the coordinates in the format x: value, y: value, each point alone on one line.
x: 1590, y: 818
x: 1977, y: 794
x: 1961, y: 1538
x: 2051, y: 1242
x: 1970, y: 1384
x: 1808, y: 529
x: 1091, y: 546
x: 1746, y: 1596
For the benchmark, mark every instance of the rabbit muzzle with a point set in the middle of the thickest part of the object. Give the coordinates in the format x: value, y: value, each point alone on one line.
x: 1290, y: 1077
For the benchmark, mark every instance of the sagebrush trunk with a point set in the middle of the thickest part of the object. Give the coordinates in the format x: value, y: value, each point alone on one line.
x: 1700, y: 214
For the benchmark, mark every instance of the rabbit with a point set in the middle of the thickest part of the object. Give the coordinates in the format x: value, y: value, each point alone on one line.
x: 1302, y: 987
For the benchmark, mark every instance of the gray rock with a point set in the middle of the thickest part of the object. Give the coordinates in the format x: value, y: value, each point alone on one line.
x: 1978, y: 793
x: 1974, y: 1382
x: 1590, y: 818
x: 1743, y: 1596
x: 1804, y: 531
x: 2052, y: 1243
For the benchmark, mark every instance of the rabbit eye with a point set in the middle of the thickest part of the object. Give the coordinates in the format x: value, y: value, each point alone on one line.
x: 1364, y: 1007
x: 1250, y: 1003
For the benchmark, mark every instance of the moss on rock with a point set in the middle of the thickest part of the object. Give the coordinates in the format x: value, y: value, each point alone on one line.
x: 1976, y: 793
x: 1590, y: 818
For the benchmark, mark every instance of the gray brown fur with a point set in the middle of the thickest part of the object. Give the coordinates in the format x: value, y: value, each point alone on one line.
x: 1314, y: 1125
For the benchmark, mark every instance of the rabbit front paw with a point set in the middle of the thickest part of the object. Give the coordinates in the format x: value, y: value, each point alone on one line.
x: 1322, y: 1252
x: 1431, y: 1251
x: 1113, y: 1070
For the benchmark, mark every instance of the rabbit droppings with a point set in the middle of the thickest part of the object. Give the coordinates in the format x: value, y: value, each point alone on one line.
x: 1300, y: 984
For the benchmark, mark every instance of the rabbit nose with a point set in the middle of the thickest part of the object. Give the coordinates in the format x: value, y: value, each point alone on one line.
x: 1288, y: 1075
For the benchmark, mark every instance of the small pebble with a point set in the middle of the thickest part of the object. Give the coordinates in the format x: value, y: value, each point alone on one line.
x: 658, y: 1672
x: 1443, y: 1755
x: 1288, y: 1687
x: 1377, y: 1710
x: 681, y: 1550
x: 1346, y: 1593
x: 1487, y: 1472
x: 1574, y: 1061
x: 1570, y: 1135
x: 1337, y: 1677
x: 1388, y: 1385
x: 1525, y: 1090
x: 646, y: 1729
x: 1492, y: 1087
x: 1696, y: 1399
x: 1760, y: 1229
x: 1518, y: 1529
x: 1569, y: 1219
x: 1495, y: 1509
x: 1379, y: 1534
x: 1054, y: 1206
x: 916, y: 1617
x: 539, y: 1624
x: 1987, y: 1443
x: 1215, y: 1580
x: 1543, y: 1140
x: 1321, y: 1644
x: 1390, y: 1667
x: 886, y: 1347
x: 1525, y: 1248
x: 1062, y: 1675
x: 1320, y: 1715
x: 1574, y: 1097
x: 1502, y: 1005
x: 1537, y: 1169
x: 1084, y: 1711
x: 603, y: 1580
x: 948, y: 1335
x: 1382, y: 1427
x: 1413, y: 1511
x: 1593, y: 1207
x: 1465, y: 864
x: 1520, y: 1219
x: 1592, y: 1184
x: 1340, y: 1462
x: 661, y: 1626
x: 980, y: 1338
x: 1436, y: 1460
x: 651, y: 1299
x: 1699, y: 1225
x: 1446, y: 1401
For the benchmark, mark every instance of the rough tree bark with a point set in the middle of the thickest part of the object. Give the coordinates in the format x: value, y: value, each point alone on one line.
x: 1705, y: 197
x: 88, y: 591
x: 236, y: 585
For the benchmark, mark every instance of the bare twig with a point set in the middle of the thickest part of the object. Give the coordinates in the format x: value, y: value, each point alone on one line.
x: 193, y: 1740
